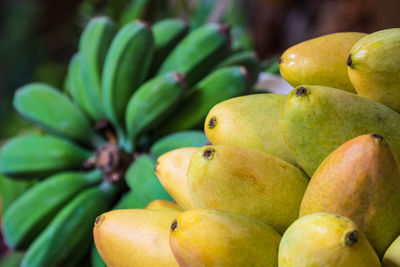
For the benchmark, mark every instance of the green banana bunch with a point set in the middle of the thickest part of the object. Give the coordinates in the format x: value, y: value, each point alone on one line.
x: 69, y: 233
x: 31, y: 212
x: 121, y: 87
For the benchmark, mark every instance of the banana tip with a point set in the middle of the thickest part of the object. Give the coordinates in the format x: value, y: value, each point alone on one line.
x: 301, y: 91
x: 351, y: 238
x: 180, y: 78
x: 99, y: 220
x: 350, y: 62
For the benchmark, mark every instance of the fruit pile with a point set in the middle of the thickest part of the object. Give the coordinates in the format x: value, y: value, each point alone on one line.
x: 307, y: 179
x: 125, y: 89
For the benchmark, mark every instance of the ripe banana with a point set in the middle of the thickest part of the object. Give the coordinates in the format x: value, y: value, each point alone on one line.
x: 167, y: 34
x: 93, y: 46
x: 143, y: 182
x: 49, y: 108
x: 128, y: 201
x: 31, y: 212
x: 125, y: 68
x: 152, y: 102
x: 247, y: 59
x: 218, y: 86
x: 68, y: 237
x: 37, y: 156
x: 178, y: 140
x: 198, y: 52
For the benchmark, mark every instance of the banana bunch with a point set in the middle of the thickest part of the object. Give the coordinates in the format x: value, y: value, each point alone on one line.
x: 125, y: 89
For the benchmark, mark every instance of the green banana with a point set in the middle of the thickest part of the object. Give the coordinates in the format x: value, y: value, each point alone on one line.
x: 93, y: 46
x: 218, y: 86
x: 49, y: 108
x: 247, y: 59
x: 31, y: 212
x: 11, y: 189
x: 68, y: 237
x: 152, y: 102
x: 96, y: 260
x: 74, y: 85
x: 167, y: 34
x: 178, y: 140
x: 136, y: 9
x: 143, y: 182
x: 198, y: 52
x: 125, y: 68
x: 201, y: 12
x: 11, y: 259
x: 37, y: 156
x: 128, y: 201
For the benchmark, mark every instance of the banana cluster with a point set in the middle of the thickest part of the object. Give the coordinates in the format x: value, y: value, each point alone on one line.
x: 125, y: 88
x: 308, y: 179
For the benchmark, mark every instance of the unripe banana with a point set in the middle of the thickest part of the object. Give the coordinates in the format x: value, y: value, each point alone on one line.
x: 247, y: 59
x: 125, y: 68
x: 74, y: 85
x: 37, y: 156
x: 49, y: 108
x: 93, y: 46
x: 152, y: 102
x: 30, y: 213
x: 167, y: 34
x: 177, y: 140
x: 198, y: 52
x: 143, y: 182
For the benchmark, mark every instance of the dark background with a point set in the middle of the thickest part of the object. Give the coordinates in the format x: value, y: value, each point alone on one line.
x: 37, y: 38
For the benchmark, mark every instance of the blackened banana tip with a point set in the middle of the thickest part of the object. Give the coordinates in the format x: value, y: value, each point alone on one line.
x: 301, y: 91
x: 350, y: 62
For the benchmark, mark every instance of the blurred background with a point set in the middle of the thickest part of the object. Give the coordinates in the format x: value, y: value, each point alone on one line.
x: 37, y: 38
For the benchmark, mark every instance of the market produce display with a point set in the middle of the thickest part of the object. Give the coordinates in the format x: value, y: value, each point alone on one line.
x: 307, y: 179
x: 127, y: 94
